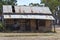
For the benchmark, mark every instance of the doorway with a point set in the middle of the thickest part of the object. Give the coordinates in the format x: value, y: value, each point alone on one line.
x: 41, y: 25
x: 24, y: 25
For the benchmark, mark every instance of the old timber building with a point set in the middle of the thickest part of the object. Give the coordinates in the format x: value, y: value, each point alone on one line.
x: 27, y: 18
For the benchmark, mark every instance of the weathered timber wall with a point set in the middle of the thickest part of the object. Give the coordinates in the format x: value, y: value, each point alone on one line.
x: 48, y: 26
x: 33, y: 25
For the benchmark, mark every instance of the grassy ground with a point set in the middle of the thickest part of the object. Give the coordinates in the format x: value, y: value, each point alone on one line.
x: 31, y: 36
x: 26, y: 34
x: 57, y: 34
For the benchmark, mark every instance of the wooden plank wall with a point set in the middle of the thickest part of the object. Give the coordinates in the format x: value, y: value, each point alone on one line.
x: 9, y: 21
x: 33, y: 25
x: 48, y: 23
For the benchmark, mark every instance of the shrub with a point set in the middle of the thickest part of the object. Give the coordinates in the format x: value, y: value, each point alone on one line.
x: 1, y: 26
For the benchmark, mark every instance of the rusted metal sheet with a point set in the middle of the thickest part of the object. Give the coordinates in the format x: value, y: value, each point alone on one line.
x: 17, y: 9
x: 26, y: 9
x: 44, y: 10
x: 29, y: 9
x: 22, y: 9
x: 7, y: 9
x: 44, y: 17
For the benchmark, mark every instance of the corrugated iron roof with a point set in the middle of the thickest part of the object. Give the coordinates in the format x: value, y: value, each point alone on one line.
x: 26, y: 9
x: 7, y: 9
x: 44, y: 17
x: 35, y: 9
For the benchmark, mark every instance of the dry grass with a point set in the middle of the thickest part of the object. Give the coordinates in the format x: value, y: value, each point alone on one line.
x: 26, y: 34
x: 32, y: 34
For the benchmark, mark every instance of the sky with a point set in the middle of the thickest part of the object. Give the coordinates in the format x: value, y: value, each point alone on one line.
x: 26, y: 2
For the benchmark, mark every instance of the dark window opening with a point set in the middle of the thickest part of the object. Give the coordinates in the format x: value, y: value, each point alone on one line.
x: 15, y: 20
x: 13, y: 9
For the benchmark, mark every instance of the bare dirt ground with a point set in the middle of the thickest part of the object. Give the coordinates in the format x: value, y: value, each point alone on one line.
x: 31, y: 36
x: 28, y: 38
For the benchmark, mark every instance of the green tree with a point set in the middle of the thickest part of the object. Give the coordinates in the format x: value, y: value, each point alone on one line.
x: 1, y: 26
x: 34, y: 4
x: 52, y: 4
x: 9, y: 2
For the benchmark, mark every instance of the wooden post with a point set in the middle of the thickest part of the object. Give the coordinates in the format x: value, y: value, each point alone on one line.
x: 37, y: 24
x: 54, y: 26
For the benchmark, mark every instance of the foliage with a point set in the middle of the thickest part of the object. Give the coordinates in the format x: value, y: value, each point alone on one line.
x: 1, y: 26
x: 52, y: 4
x: 34, y: 4
x: 8, y: 2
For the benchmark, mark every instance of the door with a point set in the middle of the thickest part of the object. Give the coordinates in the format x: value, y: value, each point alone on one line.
x: 33, y: 25
x: 41, y: 25
x: 27, y: 25
x: 24, y: 25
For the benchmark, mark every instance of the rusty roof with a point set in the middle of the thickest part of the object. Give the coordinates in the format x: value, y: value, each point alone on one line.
x: 44, y: 17
x: 35, y: 9
x: 26, y: 9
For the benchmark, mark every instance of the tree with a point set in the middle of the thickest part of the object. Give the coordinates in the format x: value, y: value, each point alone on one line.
x: 1, y: 26
x: 9, y: 2
x: 52, y: 4
x: 34, y: 4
